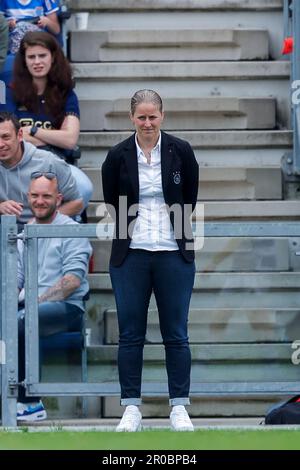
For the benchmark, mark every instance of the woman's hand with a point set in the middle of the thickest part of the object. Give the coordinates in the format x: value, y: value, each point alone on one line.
x: 43, y: 22
x: 32, y: 139
x: 50, y: 22
x: 12, y: 23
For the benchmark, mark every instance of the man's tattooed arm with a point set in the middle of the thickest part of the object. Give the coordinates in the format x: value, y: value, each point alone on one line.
x: 62, y: 289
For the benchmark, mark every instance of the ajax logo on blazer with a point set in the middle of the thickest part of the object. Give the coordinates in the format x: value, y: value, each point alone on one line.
x: 176, y: 177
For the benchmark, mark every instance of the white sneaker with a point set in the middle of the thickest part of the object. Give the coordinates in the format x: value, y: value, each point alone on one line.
x: 180, y: 420
x: 33, y: 411
x: 131, y: 420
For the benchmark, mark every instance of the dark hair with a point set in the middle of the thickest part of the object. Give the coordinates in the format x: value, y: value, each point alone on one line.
x: 6, y: 116
x: 145, y: 96
x: 59, y: 83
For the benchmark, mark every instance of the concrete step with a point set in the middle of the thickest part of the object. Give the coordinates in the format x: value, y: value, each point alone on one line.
x: 107, y: 83
x: 186, y: 113
x: 204, y: 407
x: 210, y: 363
x: 232, y: 184
x: 222, y: 183
x: 109, y: 424
x: 233, y: 149
x: 199, y: 71
x: 251, y: 210
x: 149, y: 423
x: 169, y: 45
x: 226, y: 255
x: 222, y: 298
x: 231, y: 290
x: 188, y: 14
x: 59, y: 408
x: 199, y: 139
x: 221, y: 281
x: 222, y: 326
x: 243, y: 210
x: 160, y: 5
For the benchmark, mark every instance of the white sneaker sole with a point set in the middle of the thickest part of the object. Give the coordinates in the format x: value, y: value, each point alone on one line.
x: 187, y: 429
x: 38, y: 416
x: 129, y: 430
x: 182, y: 430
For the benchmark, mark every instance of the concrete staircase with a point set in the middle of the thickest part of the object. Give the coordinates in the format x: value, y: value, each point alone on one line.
x: 218, y: 67
x: 169, y: 45
x: 192, y: 114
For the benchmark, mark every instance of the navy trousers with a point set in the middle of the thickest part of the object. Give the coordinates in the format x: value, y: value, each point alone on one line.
x: 171, y: 279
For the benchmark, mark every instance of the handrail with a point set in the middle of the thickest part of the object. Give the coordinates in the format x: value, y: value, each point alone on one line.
x: 291, y: 13
x: 9, y: 370
x: 9, y: 327
x: 296, y: 68
x: 287, y: 14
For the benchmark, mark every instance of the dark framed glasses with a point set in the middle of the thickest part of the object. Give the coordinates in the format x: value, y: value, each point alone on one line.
x: 47, y: 174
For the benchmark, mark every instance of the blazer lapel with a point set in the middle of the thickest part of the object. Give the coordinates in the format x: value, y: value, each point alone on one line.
x: 166, y: 161
x: 132, y: 165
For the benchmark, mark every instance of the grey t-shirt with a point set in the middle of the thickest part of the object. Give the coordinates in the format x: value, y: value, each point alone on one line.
x: 15, y: 181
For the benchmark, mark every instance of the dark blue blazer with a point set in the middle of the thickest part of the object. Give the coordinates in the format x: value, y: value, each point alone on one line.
x: 180, y: 179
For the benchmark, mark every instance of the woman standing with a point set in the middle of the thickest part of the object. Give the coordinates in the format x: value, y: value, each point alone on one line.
x: 42, y: 97
x: 156, y: 174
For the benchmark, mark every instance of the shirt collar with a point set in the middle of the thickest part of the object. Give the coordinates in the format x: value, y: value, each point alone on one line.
x: 140, y: 151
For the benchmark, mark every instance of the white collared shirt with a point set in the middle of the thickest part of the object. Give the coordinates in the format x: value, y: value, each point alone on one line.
x: 153, y: 230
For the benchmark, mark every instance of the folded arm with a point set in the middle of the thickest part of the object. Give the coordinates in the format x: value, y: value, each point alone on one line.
x: 66, y: 137
x: 71, y: 208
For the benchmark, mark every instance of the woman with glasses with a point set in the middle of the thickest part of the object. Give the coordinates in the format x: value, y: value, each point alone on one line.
x: 42, y: 97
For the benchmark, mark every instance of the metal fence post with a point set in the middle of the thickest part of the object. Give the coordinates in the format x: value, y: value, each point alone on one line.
x: 287, y: 18
x: 31, y: 305
x: 9, y: 326
x: 296, y: 76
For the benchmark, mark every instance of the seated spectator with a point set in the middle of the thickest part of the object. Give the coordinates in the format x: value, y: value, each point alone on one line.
x: 29, y: 15
x: 18, y: 159
x: 3, y: 40
x: 62, y: 280
x: 43, y: 99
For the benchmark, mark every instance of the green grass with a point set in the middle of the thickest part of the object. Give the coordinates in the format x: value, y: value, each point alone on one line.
x: 157, y: 440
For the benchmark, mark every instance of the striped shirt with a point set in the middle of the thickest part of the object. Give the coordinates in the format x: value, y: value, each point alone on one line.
x: 27, y: 9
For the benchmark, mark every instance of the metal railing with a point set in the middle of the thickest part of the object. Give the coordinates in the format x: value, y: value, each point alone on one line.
x: 9, y: 307
x: 9, y: 335
x: 292, y: 29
